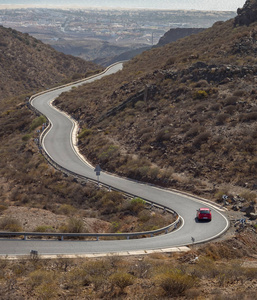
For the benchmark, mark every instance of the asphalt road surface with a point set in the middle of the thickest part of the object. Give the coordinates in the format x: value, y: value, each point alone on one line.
x: 58, y: 143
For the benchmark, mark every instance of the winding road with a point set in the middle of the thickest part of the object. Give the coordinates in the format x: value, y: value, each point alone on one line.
x: 59, y: 144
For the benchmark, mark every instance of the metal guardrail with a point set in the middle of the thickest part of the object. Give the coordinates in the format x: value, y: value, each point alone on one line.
x: 61, y: 236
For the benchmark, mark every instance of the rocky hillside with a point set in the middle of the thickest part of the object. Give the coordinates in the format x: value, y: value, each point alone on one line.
x: 27, y: 64
x: 247, y: 14
x: 183, y: 115
x: 177, y: 33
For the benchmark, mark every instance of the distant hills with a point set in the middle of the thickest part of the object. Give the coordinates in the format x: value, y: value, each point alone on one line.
x: 177, y: 33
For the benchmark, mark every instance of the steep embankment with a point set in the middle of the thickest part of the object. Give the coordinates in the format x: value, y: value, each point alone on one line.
x: 27, y: 64
x: 183, y: 115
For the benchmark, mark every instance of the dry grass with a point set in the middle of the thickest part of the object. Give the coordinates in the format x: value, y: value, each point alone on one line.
x: 156, y: 276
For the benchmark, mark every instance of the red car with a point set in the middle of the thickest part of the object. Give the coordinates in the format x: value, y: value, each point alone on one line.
x: 203, y: 214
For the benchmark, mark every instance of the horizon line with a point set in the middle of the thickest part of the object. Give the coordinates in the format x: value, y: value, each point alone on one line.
x: 74, y: 7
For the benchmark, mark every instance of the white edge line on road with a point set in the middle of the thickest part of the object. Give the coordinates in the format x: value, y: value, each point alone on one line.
x: 73, y: 141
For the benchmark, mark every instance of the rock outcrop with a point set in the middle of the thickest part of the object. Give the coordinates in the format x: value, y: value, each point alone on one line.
x: 247, y: 14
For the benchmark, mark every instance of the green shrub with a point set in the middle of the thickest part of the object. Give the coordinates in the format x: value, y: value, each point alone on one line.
x: 39, y: 121
x: 84, y: 133
x: 26, y: 137
x: 200, y: 94
x: 109, y: 152
x: 137, y: 205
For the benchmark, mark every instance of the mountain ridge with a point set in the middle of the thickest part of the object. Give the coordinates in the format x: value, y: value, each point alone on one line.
x: 28, y: 64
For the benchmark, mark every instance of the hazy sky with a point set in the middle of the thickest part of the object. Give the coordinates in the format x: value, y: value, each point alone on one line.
x: 151, y: 4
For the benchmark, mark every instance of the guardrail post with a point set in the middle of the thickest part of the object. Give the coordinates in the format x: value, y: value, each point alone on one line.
x: 25, y: 237
x: 62, y: 238
x: 97, y: 238
x: 166, y: 231
x: 127, y: 237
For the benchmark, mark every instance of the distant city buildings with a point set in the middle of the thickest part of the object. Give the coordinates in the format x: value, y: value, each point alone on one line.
x: 135, y: 26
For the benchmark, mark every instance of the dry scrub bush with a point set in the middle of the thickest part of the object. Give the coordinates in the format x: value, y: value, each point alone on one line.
x: 230, y: 274
x: 163, y: 135
x: 76, y: 278
x: 249, y: 196
x: 74, y: 225
x: 10, y: 224
x: 204, y: 268
x: 248, y: 117
x: 219, y: 251
x: 201, y: 138
x: 97, y: 272
x: 202, y: 83
x: 111, y: 203
x: 40, y: 276
x: 232, y: 100
x: 47, y: 291
x: 121, y: 280
x: 141, y: 270
x: 66, y: 209
x: 175, y: 284
x: 193, y: 131
x: 44, y: 228
x: 3, y: 208
x: 222, y: 118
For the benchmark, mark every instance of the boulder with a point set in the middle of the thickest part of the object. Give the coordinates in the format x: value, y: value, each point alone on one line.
x: 253, y: 216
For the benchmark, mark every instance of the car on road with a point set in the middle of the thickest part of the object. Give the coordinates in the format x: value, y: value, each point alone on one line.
x: 203, y: 214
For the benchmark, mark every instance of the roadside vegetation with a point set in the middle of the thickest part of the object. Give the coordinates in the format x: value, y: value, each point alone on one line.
x: 202, y: 273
